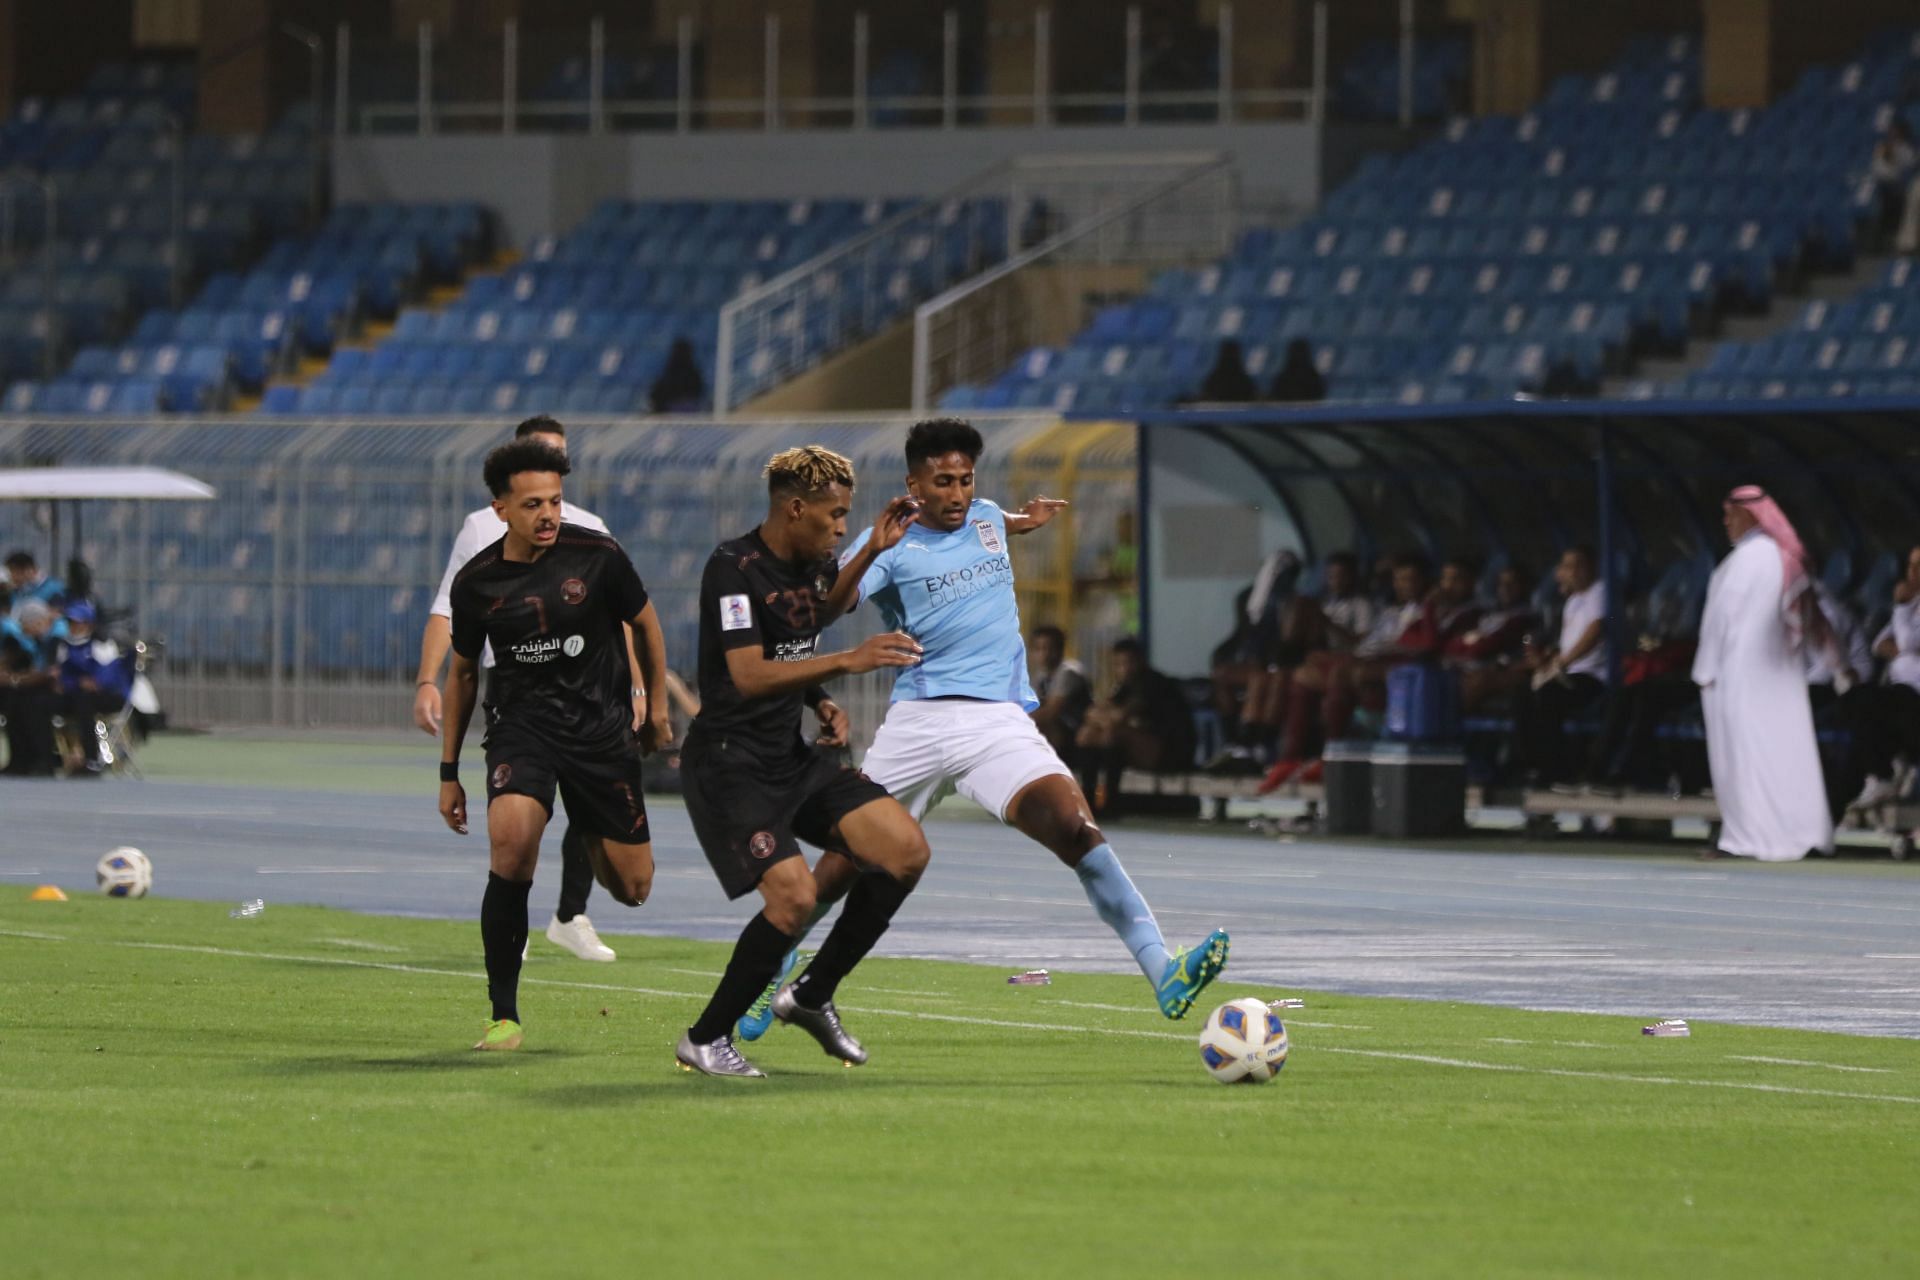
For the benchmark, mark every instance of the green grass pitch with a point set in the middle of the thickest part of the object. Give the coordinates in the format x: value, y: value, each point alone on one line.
x: 183, y: 1094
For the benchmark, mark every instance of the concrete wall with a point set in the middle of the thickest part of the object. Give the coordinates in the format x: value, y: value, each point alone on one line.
x: 544, y: 183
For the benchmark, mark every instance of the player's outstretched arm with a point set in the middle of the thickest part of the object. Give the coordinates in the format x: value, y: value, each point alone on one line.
x: 463, y: 689
x: 650, y: 656
x: 755, y: 676
x: 435, y: 641
x: 888, y: 528
x: 1037, y: 512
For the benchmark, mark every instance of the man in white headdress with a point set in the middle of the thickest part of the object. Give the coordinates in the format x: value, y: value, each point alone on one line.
x: 1751, y: 669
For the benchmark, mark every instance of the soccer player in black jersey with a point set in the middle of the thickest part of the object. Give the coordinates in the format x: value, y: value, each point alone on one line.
x: 550, y: 597
x: 754, y: 789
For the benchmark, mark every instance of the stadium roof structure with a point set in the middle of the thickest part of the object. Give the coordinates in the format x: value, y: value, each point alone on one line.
x: 151, y: 484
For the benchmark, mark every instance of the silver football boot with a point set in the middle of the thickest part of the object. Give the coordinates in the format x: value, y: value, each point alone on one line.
x: 823, y: 1024
x: 717, y: 1059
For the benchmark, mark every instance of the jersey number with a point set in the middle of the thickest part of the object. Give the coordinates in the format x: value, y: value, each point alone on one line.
x: 801, y: 607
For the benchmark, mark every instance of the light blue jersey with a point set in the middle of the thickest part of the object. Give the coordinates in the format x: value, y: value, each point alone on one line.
x: 953, y: 592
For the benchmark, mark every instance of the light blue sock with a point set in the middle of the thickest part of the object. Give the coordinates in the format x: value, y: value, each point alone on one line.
x: 1125, y: 911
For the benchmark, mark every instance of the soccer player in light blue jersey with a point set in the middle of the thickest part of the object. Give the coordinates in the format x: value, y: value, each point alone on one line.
x: 938, y: 570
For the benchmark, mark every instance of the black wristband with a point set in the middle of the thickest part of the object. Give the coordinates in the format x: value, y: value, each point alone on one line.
x: 449, y: 771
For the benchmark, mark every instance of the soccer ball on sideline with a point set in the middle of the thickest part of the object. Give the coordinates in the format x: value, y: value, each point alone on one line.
x: 1244, y: 1042
x: 124, y: 873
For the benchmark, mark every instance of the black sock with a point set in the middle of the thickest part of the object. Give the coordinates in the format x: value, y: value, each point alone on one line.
x: 576, y: 875
x: 871, y: 903
x: 756, y: 958
x: 503, y: 930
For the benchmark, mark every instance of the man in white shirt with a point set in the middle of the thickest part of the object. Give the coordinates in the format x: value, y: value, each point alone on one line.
x: 1884, y: 719
x: 570, y: 929
x: 1567, y: 679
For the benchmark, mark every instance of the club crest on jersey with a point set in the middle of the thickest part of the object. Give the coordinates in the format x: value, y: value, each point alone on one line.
x: 989, y: 536
x: 822, y: 585
x: 573, y: 591
x: 502, y: 775
x: 761, y: 846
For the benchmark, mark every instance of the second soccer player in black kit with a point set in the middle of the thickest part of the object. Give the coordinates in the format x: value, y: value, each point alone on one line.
x: 754, y: 788
x: 551, y: 598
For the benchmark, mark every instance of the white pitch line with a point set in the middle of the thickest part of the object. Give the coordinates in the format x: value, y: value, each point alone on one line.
x: 1467, y: 1064
x: 1871, y: 955
x: 322, y: 871
x: 27, y: 933
x: 1134, y: 1008
x: 359, y: 945
x: 1471, y: 1065
x: 30, y: 871
x: 1802, y: 1062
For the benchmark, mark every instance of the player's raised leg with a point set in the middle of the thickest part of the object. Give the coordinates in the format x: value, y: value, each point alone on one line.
x: 514, y: 826
x: 1054, y: 811
x: 786, y: 892
x: 891, y: 851
x: 570, y: 929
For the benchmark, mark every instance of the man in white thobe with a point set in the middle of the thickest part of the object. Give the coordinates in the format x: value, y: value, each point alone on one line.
x: 1751, y: 670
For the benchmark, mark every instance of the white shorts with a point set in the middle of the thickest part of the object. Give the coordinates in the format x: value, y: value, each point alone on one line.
x: 987, y: 751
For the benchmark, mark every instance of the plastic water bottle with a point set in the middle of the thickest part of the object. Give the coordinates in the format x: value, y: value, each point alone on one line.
x: 249, y: 909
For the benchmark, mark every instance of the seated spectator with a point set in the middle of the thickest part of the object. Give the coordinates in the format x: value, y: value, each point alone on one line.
x: 25, y: 582
x: 1488, y: 655
x: 1839, y: 660
x: 1062, y: 687
x: 1329, y: 685
x: 1299, y: 380
x: 679, y: 388
x: 1290, y: 628
x: 1228, y: 382
x: 1892, y: 168
x: 1883, y: 720
x: 29, y: 655
x: 1143, y: 724
x: 1567, y: 679
x: 95, y: 680
x: 1656, y: 684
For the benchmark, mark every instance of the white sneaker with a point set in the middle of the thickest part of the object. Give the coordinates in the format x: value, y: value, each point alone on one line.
x: 577, y: 936
x: 1877, y: 792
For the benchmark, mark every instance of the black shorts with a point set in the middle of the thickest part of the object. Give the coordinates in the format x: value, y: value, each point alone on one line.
x: 601, y: 787
x: 746, y: 821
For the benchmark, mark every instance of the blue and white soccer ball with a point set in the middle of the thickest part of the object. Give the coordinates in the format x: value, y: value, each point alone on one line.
x: 1244, y: 1042
x: 124, y: 873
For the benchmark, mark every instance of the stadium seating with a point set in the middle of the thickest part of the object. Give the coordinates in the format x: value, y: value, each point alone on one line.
x: 1368, y: 87
x: 583, y: 323
x: 301, y: 297
x: 1513, y: 255
x: 109, y: 153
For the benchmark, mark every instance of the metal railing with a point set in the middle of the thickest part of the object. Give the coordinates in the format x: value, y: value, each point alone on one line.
x: 951, y: 107
x: 855, y: 290
x: 973, y: 332
x: 297, y: 596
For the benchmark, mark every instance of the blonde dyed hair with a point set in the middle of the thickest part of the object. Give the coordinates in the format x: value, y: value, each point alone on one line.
x: 806, y: 471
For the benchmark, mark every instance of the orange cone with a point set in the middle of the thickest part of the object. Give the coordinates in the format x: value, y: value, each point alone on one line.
x: 47, y: 893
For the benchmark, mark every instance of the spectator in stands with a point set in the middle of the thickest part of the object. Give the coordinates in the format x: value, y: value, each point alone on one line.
x: 679, y: 388
x: 1289, y: 627
x: 1328, y: 686
x: 95, y: 680
x: 1847, y: 660
x: 29, y: 652
x: 25, y: 581
x: 1488, y: 654
x: 1228, y: 382
x: 1062, y: 687
x: 1299, y: 380
x: 1883, y: 720
x: 1143, y: 724
x: 1567, y: 679
x: 1893, y: 165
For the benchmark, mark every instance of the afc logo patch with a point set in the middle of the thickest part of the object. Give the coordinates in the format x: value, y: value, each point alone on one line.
x: 573, y: 591
x: 502, y: 775
x: 989, y: 536
x: 735, y: 613
x: 761, y: 846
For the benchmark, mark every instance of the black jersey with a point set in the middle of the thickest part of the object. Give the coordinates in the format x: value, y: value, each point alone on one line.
x: 554, y: 623
x: 750, y: 596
